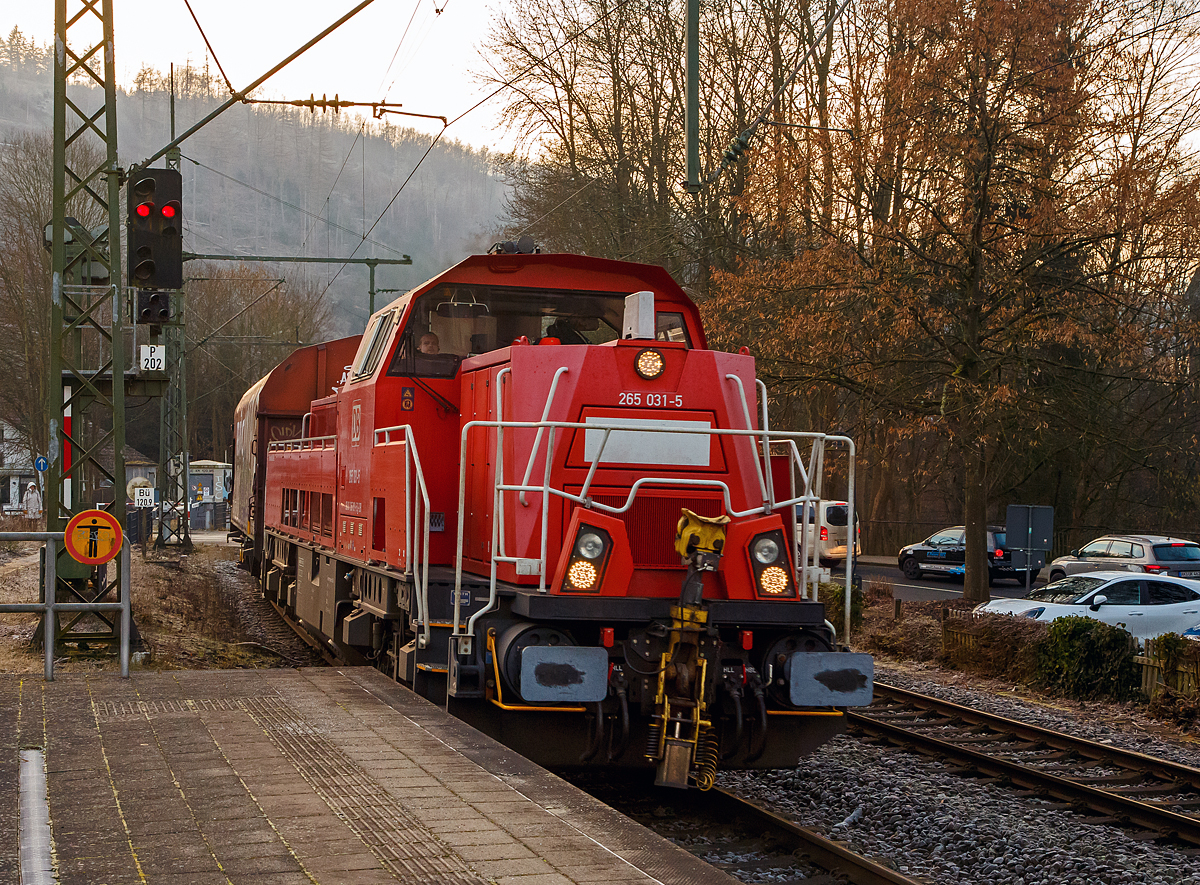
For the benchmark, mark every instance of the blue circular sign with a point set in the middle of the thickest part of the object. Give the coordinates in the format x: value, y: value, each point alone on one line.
x: 40, y: 464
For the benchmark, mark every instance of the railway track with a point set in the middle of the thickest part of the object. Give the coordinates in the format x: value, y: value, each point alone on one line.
x: 1123, y: 787
x: 736, y: 835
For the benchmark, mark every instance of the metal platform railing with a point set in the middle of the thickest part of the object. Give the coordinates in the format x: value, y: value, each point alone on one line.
x: 303, y: 444
x: 49, y: 607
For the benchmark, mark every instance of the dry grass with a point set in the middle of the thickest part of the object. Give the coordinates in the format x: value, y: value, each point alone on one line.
x: 916, y: 636
x: 181, y: 610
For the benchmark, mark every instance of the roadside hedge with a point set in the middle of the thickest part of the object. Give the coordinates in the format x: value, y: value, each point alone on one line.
x: 1074, y: 657
x: 1087, y: 660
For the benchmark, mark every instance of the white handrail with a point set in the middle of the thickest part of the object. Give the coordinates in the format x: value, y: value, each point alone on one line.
x: 499, y: 511
x: 302, y: 444
x: 766, y: 442
x: 749, y: 426
x: 417, y: 557
x: 537, y: 440
x: 788, y: 437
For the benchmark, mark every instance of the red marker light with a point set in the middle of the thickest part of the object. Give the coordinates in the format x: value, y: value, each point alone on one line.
x: 606, y: 637
x: 143, y: 210
x: 747, y: 640
x: 168, y: 211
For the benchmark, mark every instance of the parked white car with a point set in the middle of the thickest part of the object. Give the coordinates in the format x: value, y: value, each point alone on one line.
x: 827, y: 532
x: 1146, y: 606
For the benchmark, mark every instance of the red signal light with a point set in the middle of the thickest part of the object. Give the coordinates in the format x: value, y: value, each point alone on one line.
x: 168, y: 211
x: 143, y: 210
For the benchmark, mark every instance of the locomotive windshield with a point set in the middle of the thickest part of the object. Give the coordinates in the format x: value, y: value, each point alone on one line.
x: 452, y: 322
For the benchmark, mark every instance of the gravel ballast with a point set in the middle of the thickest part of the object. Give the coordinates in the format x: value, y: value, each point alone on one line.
x: 910, y: 812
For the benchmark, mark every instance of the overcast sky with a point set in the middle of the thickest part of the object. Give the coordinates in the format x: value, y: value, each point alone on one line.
x: 430, y: 73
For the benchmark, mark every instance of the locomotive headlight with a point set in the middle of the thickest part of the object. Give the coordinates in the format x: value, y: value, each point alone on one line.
x: 582, y: 575
x: 589, y: 555
x: 773, y: 581
x: 650, y: 364
x: 589, y: 546
x: 771, y: 566
x: 766, y: 550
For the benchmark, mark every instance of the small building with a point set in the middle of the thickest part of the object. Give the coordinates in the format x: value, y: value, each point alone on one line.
x: 209, y: 485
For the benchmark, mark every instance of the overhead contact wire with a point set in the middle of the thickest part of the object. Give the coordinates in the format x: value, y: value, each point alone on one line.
x: 284, y: 202
x: 446, y: 125
x: 211, y: 51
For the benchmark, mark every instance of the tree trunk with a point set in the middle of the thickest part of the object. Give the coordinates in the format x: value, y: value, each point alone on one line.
x: 975, y: 579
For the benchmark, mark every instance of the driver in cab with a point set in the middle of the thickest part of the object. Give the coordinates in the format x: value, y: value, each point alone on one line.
x: 428, y: 344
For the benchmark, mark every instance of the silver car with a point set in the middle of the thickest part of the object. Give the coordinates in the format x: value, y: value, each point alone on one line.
x: 1152, y: 554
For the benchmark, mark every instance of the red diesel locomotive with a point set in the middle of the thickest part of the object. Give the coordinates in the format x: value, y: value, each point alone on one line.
x: 537, y: 498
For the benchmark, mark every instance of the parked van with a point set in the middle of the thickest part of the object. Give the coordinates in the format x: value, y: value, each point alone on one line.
x: 827, y: 532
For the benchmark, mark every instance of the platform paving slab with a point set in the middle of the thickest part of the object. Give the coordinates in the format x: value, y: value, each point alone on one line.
x: 299, y: 777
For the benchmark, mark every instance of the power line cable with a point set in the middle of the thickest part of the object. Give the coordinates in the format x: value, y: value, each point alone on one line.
x: 557, y: 49
x: 446, y: 125
x: 383, y: 79
x: 284, y: 202
x: 211, y: 51
x: 336, y: 179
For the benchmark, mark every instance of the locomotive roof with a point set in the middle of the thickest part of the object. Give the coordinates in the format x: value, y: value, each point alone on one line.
x: 304, y: 375
x: 561, y: 270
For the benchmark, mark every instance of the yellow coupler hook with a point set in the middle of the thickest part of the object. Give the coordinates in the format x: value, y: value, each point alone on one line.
x: 684, y: 731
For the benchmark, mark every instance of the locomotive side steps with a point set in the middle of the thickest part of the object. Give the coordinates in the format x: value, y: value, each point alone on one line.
x: 301, y: 776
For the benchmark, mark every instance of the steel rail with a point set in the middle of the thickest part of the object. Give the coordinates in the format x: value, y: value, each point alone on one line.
x: 1123, y: 808
x: 1163, y: 768
x: 822, y: 852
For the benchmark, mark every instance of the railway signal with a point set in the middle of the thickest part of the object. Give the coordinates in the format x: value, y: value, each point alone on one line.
x: 153, y: 307
x: 155, y: 241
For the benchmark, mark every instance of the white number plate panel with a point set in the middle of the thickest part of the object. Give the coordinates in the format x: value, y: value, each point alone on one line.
x: 638, y: 446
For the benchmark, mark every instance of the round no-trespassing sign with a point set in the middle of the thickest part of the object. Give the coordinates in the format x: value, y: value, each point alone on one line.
x: 93, y: 537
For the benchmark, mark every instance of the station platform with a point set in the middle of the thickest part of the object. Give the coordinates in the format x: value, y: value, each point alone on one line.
x: 295, y: 777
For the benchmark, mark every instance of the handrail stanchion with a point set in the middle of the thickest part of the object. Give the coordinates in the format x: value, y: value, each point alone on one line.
x: 762, y: 481
x: 546, y: 510
x: 50, y: 618
x: 537, y: 439
x: 851, y: 532
x: 126, y: 608
x: 766, y: 446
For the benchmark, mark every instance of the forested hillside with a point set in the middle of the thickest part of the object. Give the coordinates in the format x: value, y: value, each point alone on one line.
x: 260, y: 180
x: 272, y: 180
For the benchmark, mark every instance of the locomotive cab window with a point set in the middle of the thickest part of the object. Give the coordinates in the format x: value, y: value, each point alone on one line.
x: 374, y: 344
x: 450, y: 323
x: 671, y: 327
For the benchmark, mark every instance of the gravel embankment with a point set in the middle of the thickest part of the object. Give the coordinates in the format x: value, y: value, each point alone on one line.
x: 910, y: 812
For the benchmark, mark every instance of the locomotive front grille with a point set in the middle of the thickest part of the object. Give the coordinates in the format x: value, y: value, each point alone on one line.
x: 650, y: 523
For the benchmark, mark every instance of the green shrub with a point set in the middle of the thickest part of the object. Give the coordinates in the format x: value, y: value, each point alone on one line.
x: 834, y: 597
x: 1085, y: 659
